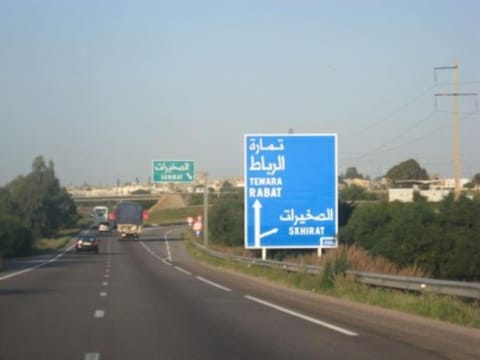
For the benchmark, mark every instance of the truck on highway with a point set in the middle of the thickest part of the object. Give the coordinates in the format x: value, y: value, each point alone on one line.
x: 129, y: 218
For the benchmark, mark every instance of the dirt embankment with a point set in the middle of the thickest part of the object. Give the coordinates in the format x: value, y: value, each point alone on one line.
x: 169, y: 201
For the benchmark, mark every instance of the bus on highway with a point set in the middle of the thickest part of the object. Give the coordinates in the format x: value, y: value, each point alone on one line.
x: 99, y: 214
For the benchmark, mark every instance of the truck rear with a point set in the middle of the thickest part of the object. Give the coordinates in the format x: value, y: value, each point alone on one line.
x: 129, y: 217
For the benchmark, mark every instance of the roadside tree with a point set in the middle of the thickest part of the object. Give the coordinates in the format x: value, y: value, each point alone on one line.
x: 226, y: 220
x: 39, y: 200
x: 407, y: 170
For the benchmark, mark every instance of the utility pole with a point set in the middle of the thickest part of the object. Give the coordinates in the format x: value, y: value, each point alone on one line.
x: 456, y: 122
x: 205, y: 211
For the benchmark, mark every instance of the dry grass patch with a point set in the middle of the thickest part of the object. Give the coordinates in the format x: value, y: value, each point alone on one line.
x: 357, y: 259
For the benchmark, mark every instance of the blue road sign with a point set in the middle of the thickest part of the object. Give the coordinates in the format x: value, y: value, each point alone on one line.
x: 291, y: 191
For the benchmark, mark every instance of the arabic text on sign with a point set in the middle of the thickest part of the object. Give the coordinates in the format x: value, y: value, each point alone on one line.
x: 259, y: 146
x: 171, y: 168
x: 301, y: 218
x: 270, y: 167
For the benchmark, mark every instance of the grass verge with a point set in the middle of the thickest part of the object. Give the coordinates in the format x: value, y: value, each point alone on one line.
x: 48, y: 245
x: 44, y: 246
x: 439, y: 307
x: 178, y: 215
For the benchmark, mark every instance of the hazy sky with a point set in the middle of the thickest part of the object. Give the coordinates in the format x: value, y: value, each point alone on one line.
x: 102, y: 88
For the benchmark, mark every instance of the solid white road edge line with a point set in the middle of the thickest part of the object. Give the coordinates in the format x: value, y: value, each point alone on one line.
x: 303, y: 317
x: 37, y: 266
x: 151, y: 252
x: 213, y: 284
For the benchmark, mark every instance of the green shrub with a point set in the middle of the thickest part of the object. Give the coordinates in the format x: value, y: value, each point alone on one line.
x: 15, y: 238
x: 442, y: 239
x: 334, y: 266
x: 226, y: 220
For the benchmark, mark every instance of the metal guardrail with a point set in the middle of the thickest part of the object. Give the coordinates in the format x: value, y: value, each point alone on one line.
x: 310, y: 269
x: 446, y: 287
x: 469, y: 290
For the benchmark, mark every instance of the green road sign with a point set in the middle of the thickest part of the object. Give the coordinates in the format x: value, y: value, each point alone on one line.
x: 179, y: 171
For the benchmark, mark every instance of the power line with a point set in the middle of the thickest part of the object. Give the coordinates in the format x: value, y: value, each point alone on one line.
x: 393, y: 113
x: 423, y: 136
x: 389, y: 141
x: 383, y: 148
x: 411, y: 141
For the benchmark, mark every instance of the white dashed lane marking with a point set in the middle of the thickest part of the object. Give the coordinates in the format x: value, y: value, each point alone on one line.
x: 92, y: 356
x: 183, y: 270
x: 167, y: 244
x: 99, y: 314
x: 214, y: 284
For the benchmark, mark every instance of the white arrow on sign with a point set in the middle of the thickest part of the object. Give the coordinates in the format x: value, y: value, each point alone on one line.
x: 189, y: 176
x: 257, y: 205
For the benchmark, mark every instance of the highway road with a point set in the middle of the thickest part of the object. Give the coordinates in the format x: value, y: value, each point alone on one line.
x: 148, y: 299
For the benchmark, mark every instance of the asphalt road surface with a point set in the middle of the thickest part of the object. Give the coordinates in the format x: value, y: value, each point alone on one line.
x: 148, y: 299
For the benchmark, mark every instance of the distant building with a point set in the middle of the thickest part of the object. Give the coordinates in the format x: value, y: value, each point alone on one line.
x: 432, y: 190
x: 364, y: 183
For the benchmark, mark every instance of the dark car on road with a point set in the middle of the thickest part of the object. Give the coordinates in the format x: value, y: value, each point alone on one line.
x: 87, y: 243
